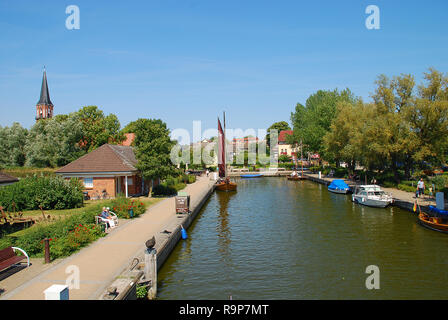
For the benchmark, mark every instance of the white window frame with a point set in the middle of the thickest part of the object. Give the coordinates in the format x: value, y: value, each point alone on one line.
x: 88, y: 185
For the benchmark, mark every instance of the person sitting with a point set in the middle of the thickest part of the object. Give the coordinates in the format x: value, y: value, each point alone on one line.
x: 107, y: 217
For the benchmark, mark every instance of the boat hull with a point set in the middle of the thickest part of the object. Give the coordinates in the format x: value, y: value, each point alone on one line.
x: 432, y: 223
x: 339, y: 191
x: 248, y: 176
x: 223, y: 186
x: 296, y: 178
x: 371, y: 202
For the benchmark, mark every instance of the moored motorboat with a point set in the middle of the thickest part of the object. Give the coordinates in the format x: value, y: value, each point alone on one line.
x: 339, y: 186
x: 372, y: 196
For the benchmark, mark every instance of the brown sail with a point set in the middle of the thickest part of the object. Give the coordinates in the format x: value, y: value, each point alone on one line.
x: 224, y: 183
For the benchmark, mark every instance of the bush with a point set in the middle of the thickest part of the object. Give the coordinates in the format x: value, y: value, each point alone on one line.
x: 163, y: 190
x: 48, y: 192
x: 121, y: 206
x: 67, y: 235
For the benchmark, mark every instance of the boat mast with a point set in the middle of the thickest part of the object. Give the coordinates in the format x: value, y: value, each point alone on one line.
x: 223, y: 145
x: 301, y: 155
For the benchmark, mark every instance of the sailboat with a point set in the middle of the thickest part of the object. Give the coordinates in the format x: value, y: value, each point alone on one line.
x: 223, y: 183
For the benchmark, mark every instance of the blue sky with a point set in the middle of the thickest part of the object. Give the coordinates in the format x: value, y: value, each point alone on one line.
x: 189, y: 60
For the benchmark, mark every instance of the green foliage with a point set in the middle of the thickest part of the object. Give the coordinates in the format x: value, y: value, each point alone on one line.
x: 153, y: 148
x: 54, y: 142
x: 48, y: 192
x: 279, y: 126
x: 12, y: 145
x: 98, y: 129
x: 142, y: 291
x: 68, y: 234
x: 122, y: 205
x: 163, y: 190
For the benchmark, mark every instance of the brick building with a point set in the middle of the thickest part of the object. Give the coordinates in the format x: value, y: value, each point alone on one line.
x: 110, y: 168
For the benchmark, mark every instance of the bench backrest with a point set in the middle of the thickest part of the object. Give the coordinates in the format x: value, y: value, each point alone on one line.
x: 7, y: 253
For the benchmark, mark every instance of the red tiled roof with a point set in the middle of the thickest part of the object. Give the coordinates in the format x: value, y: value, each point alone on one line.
x: 282, y: 135
x: 107, y: 158
x: 130, y: 137
x: 5, y: 178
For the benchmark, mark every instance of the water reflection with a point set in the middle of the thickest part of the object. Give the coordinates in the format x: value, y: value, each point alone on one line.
x: 222, y: 227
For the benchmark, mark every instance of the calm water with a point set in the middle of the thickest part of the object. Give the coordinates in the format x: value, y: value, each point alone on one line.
x: 279, y: 239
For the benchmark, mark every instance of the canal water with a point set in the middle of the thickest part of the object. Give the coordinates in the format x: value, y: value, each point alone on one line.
x: 279, y: 239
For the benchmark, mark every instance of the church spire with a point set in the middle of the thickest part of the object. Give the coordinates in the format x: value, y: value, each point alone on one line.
x: 44, y: 107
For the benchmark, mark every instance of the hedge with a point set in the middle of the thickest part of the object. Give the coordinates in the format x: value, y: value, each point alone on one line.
x: 48, y: 192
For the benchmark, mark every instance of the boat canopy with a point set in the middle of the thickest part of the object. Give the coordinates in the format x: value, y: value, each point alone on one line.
x: 338, y: 184
x: 438, y: 211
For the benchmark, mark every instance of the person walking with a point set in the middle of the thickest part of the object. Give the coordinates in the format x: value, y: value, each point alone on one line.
x: 420, y: 188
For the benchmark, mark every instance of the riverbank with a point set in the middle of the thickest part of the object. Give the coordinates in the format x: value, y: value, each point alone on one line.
x: 102, y: 262
x: 402, y: 199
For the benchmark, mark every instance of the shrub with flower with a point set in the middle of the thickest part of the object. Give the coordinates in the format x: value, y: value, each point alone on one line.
x: 122, y: 207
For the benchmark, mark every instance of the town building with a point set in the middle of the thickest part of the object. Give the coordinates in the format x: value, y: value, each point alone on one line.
x: 108, y: 171
x: 44, y: 107
x: 285, y: 148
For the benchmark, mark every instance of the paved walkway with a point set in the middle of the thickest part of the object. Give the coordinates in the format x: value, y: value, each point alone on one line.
x: 101, y: 262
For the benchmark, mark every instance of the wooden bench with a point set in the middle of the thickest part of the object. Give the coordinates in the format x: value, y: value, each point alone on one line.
x: 9, y: 258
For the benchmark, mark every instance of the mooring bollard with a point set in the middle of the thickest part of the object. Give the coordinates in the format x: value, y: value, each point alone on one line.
x: 47, y: 250
x: 151, y: 271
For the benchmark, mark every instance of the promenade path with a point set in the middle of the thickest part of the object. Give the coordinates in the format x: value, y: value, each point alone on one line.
x: 102, y: 261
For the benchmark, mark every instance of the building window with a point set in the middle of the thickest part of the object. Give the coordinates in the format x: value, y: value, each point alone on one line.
x: 130, y: 181
x: 88, y: 182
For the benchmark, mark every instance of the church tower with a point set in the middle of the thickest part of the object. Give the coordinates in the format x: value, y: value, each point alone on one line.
x: 44, y: 107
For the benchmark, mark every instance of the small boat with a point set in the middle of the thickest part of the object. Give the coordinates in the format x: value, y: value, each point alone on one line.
x: 338, y: 186
x: 372, y: 196
x: 251, y: 175
x: 226, y: 186
x: 434, y: 223
x: 296, y: 178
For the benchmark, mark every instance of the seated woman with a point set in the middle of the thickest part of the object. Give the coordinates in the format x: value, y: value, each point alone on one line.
x: 108, y: 218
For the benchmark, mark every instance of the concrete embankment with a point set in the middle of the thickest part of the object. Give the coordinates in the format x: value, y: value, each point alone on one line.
x: 402, y: 199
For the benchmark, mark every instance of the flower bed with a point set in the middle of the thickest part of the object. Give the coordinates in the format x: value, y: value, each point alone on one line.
x: 122, y: 207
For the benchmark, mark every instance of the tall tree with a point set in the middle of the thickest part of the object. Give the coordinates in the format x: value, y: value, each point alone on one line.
x: 12, y: 145
x: 98, y: 129
x: 153, y: 147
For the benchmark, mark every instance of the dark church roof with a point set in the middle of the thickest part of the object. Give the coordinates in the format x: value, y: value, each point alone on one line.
x: 44, y: 93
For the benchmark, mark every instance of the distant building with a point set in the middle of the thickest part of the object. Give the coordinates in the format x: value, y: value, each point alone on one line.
x: 44, y: 107
x: 6, y: 179
x: 284, y: 148
x: 110, y: 168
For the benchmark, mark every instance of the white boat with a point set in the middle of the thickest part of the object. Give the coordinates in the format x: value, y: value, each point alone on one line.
x: 372, y: 196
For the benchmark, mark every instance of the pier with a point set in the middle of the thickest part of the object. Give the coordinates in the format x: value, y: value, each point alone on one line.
x: 114, y: 260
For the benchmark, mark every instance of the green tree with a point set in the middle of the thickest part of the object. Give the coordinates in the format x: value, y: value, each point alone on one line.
x: 153, y: 147
x: 312, y: 121
x: 54, y: 142
x: 98, y: 129
x: 279, y: 126
x: 12, y: 145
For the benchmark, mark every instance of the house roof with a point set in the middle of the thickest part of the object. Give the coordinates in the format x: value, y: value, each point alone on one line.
x: 107, y: 158
x: 282, y: 135
x: 5, y: 178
